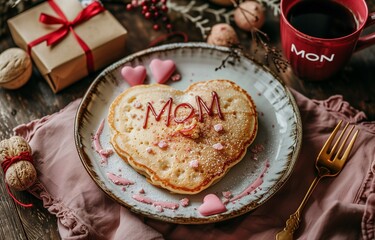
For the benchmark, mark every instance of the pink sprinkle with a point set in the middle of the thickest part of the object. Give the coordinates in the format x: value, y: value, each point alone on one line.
x: 141, y: 191
x: 194, y: 163
x: 184, y: 202
x: 218, y: 146
x: 218, y: 127
x: 149, y: 150
x: 176, y: 77
x: 257, y: 148
x: 227, y: 194
x: 159, y: 208
x: 137, y: 104
x: 163, y: 144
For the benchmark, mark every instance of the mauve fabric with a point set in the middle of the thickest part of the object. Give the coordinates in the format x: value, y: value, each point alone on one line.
x: 342, y: 207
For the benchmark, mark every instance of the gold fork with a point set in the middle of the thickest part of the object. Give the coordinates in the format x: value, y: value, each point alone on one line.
x: 328, y: 164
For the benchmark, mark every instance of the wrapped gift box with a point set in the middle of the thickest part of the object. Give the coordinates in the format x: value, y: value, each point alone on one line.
x: 65, y: 62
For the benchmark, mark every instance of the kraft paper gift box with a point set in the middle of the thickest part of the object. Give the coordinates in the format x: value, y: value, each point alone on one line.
x: 65, y: 61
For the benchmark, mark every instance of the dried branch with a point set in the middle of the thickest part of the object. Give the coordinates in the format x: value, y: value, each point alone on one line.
x: 232, y: 57
x: 261, y: 40
x: 199, y: 21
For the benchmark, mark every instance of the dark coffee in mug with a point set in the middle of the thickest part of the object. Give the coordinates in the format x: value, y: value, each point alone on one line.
x: 338, y: 30
x: 322, y: 19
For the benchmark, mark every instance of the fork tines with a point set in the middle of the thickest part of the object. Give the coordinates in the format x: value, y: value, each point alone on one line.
x: 339, y: 142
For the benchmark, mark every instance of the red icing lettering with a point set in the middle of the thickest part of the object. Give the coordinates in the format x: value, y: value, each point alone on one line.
x: 200, y: 106
x: 201, y: 103
x: 184, y: 119
x: 158, y: 116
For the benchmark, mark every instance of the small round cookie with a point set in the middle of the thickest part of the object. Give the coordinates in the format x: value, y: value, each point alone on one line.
x: 222, y: 34
x: 249, y: 15
x: 15, y: 68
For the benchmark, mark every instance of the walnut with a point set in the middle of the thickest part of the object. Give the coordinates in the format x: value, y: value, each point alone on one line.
x: 15, y: 68
x: 21, y: 174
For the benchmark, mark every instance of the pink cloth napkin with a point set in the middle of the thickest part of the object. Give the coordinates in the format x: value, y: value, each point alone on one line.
x: 340, y: 208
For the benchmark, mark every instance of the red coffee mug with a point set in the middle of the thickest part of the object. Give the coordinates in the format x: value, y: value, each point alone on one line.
x: 315, y: 58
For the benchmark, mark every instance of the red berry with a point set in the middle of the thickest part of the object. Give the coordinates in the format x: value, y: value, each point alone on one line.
x: 135, y: 3
x: 147, y: 15
x: 152, y: 9
x: 156, y: 27
x: 164, y: 8
x: 129, y: 7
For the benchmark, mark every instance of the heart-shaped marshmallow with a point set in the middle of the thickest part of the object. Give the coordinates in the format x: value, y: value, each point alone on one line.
x: 162, y: 70
x: 183, y: 140
x: 211, y: 205
x: 134, y: 76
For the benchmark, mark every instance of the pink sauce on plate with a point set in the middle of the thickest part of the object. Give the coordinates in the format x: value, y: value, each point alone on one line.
x: 119, y: 180
x: 253, y: 185
x: 143, y: 199
x: 103, y: 153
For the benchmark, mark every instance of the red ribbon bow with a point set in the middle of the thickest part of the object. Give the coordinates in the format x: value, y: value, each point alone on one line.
x: 8, y: 161
x: 68, y: 26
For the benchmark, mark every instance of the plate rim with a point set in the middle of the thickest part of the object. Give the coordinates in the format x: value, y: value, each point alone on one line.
x: 85, y: 100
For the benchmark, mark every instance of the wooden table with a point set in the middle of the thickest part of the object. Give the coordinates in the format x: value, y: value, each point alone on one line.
x: 356, y: 83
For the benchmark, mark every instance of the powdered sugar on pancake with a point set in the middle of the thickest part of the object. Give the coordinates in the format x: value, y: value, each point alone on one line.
x: 174, y: 121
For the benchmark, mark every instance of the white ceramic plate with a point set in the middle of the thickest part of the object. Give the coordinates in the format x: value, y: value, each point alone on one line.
x: 279, y: 132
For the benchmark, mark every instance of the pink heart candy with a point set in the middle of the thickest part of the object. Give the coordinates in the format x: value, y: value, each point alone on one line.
x: 134, y: 76
x: 162, y: 70
x: 211, y: 205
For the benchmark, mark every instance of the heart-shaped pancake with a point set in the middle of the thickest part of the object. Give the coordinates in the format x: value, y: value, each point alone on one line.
x: 183, y: 141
